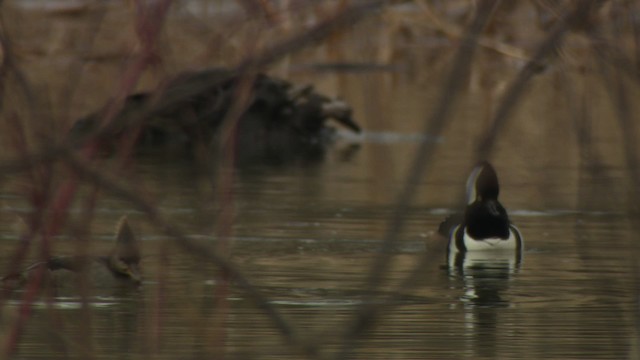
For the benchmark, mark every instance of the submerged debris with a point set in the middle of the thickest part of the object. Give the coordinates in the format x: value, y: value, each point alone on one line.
x: 119, y: 268
x: 275, y: 116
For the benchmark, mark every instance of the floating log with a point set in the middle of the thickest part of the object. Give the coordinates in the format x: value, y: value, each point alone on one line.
x: 192, y: 109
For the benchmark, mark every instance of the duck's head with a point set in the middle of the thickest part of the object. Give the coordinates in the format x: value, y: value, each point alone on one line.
x: 124, y: 259
x: 484, y: 216
x: 482, y: 184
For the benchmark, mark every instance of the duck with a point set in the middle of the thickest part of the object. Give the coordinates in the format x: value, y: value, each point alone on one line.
x: 119, y: 267
x: 484, y: 227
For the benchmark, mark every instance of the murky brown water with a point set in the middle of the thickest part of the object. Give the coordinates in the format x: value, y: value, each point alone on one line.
x: 308, y: 248
x: 306, y: 236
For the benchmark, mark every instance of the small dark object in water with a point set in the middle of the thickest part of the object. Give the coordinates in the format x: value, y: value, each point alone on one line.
x: 191, y: 109
x: 119, y: 268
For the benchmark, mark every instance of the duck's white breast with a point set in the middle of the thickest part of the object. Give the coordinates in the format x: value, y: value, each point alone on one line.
x: 491, y: 244
x: 495, y: 252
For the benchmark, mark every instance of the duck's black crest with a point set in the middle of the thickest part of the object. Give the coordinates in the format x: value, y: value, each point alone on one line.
x: 485, y: 217
x: 486, y: 182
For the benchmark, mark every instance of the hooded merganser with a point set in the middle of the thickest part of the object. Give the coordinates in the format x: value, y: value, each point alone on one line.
x: 121, y: 266
x: 485, y: 225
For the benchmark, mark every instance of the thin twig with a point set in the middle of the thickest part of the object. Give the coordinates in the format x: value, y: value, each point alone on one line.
x: 195, y: 248
x: 438, y: 23
x: 433, y: 127
x: 519, y: 85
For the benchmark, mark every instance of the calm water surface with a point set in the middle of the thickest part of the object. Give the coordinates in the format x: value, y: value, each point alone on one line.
x: 306, y: 236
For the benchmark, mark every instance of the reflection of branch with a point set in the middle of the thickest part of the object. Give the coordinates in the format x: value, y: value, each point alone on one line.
x: 194, y: 248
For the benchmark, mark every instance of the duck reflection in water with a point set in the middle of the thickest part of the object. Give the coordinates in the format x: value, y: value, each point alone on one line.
x: 62, y: 275
x: 276, y: 121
